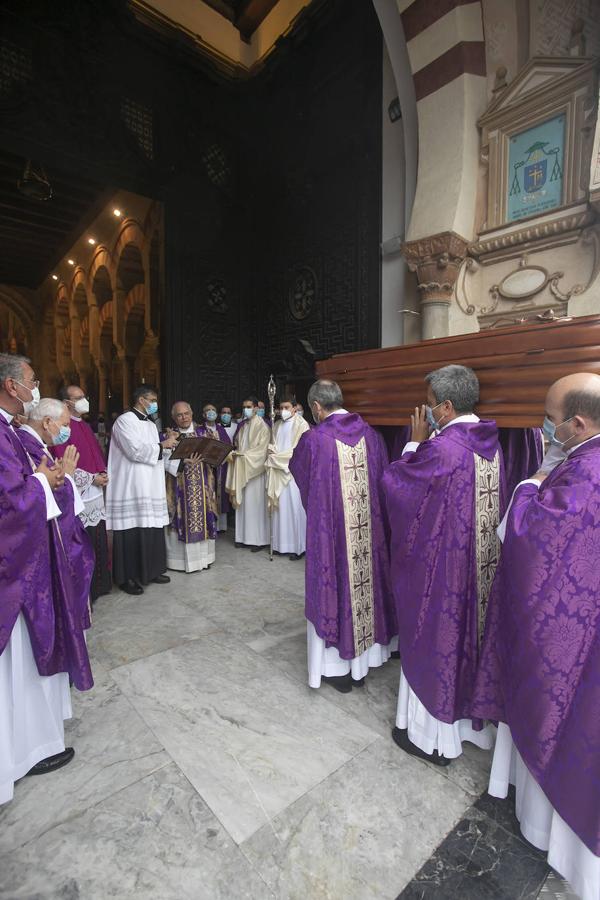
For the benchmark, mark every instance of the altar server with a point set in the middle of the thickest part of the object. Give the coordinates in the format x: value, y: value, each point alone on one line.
x: 91, y: 479
x: 539, y: 675
x: 136, y: 501
x: 289, y: 517
x: 192, y: 502
x: 246, y: 479
x: 444, y: 498
x: 49, y: 424
x: 213, y: 429
x: 338, y: 467
x: 41, y: 642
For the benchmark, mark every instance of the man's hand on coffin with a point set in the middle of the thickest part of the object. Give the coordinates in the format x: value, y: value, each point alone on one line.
x: 195, y: 458
x: 170, y: 441
x: 420, y: 425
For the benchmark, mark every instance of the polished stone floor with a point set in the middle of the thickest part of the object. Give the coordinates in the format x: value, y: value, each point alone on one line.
x: 206, y: 767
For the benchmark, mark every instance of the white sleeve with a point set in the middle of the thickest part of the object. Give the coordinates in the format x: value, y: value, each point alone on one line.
x: 410, y: 447
x: 52, y: 508
x: 77, y: 501
x: 501, y: 529
x: 134, y: 445
x: 171, y: 465
x: 554, y: 456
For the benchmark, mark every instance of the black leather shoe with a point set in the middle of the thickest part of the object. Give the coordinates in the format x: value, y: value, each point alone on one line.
x: 395, y: 654
x: 342, y: 683
x: 257, y: 549
x: 295, y: 556
x: 132, y: 587
x: 161, y: 579
x: 52, y: 763
x: 359, y: 683
x: 400, y: 737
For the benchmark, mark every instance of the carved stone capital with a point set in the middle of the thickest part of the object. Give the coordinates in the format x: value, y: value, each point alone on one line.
x: 436, y: 260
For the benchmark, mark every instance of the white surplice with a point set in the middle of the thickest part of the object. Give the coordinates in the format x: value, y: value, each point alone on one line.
x: 540, y: 823
x: 289, y: 517
x: 33, y: 707
x: 136, y: 495
x: 181, y: 556
x: 424, y: 730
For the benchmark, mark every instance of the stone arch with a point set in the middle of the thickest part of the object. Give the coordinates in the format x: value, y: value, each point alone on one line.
x: 131, y: 232
x: 16, y: 322
x: 101, y: 260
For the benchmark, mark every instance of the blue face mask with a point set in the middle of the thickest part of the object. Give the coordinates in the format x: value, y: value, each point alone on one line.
x: 430, y: 419
x: 248, y: 410
x: 152, y: 409
x: 64, y: 433
x: 211, y: 415
x: 225, y: 418
x: 261, y: 413
x: 549, y: 429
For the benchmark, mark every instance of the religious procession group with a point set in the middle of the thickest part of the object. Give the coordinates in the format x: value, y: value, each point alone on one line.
x: 479, y: 568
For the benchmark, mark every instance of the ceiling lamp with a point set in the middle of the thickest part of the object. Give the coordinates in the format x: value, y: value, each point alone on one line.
x: 34, y: 183
x: 55, y: 277
x: 117, y: 213
x: 92, y: 241
x: 71, y: 262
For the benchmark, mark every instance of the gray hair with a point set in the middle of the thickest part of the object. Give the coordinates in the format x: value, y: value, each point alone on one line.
x: 457, y: 384
x: 178, y: 403
x: 48, y: 407
x: 582, y: 403
x: 11, y: 366
x: 327, y: 394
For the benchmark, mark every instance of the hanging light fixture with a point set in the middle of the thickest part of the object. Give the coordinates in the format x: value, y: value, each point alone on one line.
x: 34, y: 183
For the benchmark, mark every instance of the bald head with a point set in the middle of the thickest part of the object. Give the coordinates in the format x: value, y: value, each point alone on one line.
x: 324, y: 397
x: 573, y: 404
x: 182, y: 414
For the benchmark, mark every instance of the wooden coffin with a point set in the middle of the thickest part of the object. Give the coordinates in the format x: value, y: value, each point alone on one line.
x: 515, y: 367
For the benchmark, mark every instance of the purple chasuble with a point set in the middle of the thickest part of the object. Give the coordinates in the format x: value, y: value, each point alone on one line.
x: 34, y: 575
x: 192, y: 501
x: 337, y: 467
x: 223, y: 504
x: 91, y: 458
x: 523, y: 452
x: 75, y: 540
x: 540, y: 662
x: 444, y: 502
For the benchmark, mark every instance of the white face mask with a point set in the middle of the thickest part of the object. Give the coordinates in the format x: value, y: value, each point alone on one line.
x: 29, y: 405
x: 286, y: 414
x: 82, y: 406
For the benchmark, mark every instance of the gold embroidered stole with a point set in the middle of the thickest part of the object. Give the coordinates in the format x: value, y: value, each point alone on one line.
x: 487, y: 517
x: 354, y: 481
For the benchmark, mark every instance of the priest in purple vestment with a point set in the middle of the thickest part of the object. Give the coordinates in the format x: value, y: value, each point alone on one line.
x: 49, y: 423
x: 41, y: 640
x: 539, y: 674
x: 91, y: 480
x: 213, y: 429
x: 191, y: 501
x: 444, y: 498
x: 338, y: 466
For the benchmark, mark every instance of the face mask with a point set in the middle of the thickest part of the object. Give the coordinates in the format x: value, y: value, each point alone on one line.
x: 152, y: 408
x: 64, y: 433
x: 301, y: 414
x: 286, y: 414
x: 225, y: 418
x: 211, y: 416
x: 549, y: 429
x: 429, y: 414
x: 82, y: 406
x: 248, y: 412
x: 35, y: 399
x: 261, y: 413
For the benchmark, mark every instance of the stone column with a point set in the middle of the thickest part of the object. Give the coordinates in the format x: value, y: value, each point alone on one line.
x: 128, y: 364
x: 436, y: 260
x: 103, y: 388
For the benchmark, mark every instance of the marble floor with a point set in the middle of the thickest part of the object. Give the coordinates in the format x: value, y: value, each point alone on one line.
x: 206, y: 768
